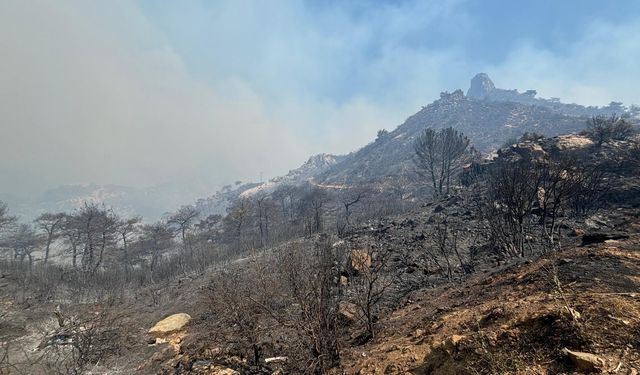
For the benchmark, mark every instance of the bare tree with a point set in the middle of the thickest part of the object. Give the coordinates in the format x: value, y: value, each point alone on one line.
x: 184, y: 219
x: 349, y: 199
x: 79, y: 341
x: 264, y: 208
x: 605, y: 129
x: 51, y: 224
x: 311, y: 205
x: 155, y: 240
x: 235, y: 221
x: 71, y: 232
x: 93, y: 229
x: 24, y: 241
x: 441, y: 155
x: 310, y: 283
x: 370, y: 280
x: 243, y: 301
x: 5, y: 219
x: 445, y: 245
x: 127, y: 228
x: 207, y: 227
x: 512, y: 193
x: 632, y: 157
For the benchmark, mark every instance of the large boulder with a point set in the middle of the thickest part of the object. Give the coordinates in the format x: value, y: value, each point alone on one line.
x: 170, y: 325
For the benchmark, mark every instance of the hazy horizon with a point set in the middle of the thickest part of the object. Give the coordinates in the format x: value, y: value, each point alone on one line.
x: 200, y: 94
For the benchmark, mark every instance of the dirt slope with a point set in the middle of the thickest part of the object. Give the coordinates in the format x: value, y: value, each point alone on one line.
x: 516, y: 319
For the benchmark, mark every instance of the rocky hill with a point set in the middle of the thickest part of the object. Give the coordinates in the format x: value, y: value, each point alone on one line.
x: 487, y: 115
x: 218, y: 203
x: 571, y: 308
x: 487, y: 123
x: 482, y: 88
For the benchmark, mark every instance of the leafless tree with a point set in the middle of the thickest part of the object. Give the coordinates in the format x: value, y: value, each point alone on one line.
x: 632, y: 157
x: 79, y: 341
x: 445, y: 246
x: 184, y: 219
x: 51, y: 224
x: 605, y: 129
x: 235, y: 221
x: 155, y: 239
x: 208, y: 227
x: 23, y: 241
x: 348, y: 200
x: 311, y: 204
x: 126, y: 229
x: 5, y: 219
x: 93, y: 230
x: 512, y: 193
x: 441, y: 155
x: 71, y: 232
x: 243, y: 302
x: 370, y: 281
x: 264, y: 208
x: 310, y: 281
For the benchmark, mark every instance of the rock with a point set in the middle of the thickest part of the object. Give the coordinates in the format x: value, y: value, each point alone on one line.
x: 392, y: 369
x: 344, y: 280
x: 584, y: 361
x: 481, y: 86
x: 219, y: 370
x: 360, y: 260
x: 451, y: 344
x: 170, y: 324
x: 528, y: 150
x: 348, y: 312
x: 573, y: 141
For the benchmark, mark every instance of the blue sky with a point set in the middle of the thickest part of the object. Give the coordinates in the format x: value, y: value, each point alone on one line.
x: 268, y: 43
x: 206, y: 92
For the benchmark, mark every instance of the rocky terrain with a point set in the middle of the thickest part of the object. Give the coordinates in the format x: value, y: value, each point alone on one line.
x: 574, y: 309
x: 487, y: 115
x: 438, y: 286
x: 482, y: 88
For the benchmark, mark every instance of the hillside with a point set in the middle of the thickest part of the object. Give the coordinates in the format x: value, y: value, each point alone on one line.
x: 515, y: 318
x: 488, y: 124
x: 386, y: 163
x: 571, y: 307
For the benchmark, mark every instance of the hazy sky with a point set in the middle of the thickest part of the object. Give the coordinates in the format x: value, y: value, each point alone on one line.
x: 207, y: 92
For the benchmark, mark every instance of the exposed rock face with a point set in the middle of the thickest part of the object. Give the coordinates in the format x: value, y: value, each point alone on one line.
x: 481, y: 86
x: 169, y: 325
